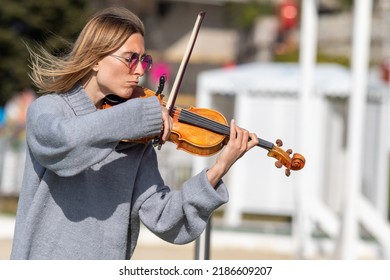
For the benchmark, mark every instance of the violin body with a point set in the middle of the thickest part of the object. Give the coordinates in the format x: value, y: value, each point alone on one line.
x: 196, y: 140
x: 204, y: 132
x: 187, y: 137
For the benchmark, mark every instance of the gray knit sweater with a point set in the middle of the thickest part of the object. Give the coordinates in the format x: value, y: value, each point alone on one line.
x: 84, y: 192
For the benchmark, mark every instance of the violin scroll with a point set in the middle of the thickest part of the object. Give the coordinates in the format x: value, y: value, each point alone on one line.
x: 296, y: 162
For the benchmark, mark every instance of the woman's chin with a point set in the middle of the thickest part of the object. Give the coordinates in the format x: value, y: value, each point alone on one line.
x: 127, y: 93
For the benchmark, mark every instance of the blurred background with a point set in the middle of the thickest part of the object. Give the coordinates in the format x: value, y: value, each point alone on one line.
x: 314, y: 73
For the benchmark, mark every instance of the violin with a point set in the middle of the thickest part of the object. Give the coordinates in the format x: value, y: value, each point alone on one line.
x: 204, y: 132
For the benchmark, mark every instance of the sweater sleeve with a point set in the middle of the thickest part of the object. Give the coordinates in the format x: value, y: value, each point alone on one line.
x: 178, y: 216
x: 67, y: 143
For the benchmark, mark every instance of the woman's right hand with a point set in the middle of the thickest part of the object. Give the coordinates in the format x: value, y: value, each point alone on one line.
x: 167, y: 124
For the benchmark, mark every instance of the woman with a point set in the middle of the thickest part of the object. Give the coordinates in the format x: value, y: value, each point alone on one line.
x: 84, y: 191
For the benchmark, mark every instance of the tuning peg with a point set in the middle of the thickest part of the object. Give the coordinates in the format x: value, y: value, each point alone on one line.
x: 278, y: 164
x: 287, y: 172
x: 289, y: 151
x: 279, y: 143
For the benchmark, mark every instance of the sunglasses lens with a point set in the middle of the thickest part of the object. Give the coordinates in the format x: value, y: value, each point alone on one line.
x: 133, y: 60
x: 146, y: 61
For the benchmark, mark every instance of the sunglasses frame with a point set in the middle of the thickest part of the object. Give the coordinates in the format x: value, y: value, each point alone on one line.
x: 134, y: 59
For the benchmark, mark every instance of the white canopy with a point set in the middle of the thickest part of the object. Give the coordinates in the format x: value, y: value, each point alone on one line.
x: 275, y: 78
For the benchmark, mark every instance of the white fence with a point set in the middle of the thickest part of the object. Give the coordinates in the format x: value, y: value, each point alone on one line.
x: 12, y: 158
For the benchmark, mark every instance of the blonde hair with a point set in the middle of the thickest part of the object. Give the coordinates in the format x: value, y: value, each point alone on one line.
x: 104, y: 33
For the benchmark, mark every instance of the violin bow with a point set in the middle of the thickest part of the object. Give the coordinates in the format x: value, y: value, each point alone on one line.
x: 184, y: 62
x: 170, y: 104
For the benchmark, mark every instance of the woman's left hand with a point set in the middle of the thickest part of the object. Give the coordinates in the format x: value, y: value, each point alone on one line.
x: 240, y: 142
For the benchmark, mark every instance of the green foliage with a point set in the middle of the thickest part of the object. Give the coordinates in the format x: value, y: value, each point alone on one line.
x: 32, y: 22
x: 287, y: 57
x: 342, y: 60
x: 239, y: 15
x: 321, y: 58
x: 346, y: 4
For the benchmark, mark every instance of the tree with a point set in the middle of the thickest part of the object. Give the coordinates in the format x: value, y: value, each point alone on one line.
x: 32, y: 22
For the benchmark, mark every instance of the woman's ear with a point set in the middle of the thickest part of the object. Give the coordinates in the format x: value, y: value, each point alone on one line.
x: 96, y: 67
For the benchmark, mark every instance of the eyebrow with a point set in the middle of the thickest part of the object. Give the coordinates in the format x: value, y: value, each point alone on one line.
x: 130, y: 52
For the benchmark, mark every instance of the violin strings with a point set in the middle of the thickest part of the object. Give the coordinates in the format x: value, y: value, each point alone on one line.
x: 214, y: 126
x: 203, y: 122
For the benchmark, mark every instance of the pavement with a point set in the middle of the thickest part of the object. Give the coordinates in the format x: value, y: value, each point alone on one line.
x: 224, y: 245
x: 7, y: 224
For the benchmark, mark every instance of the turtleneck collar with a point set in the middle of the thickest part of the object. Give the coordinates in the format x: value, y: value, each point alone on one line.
x: 79, y: 101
